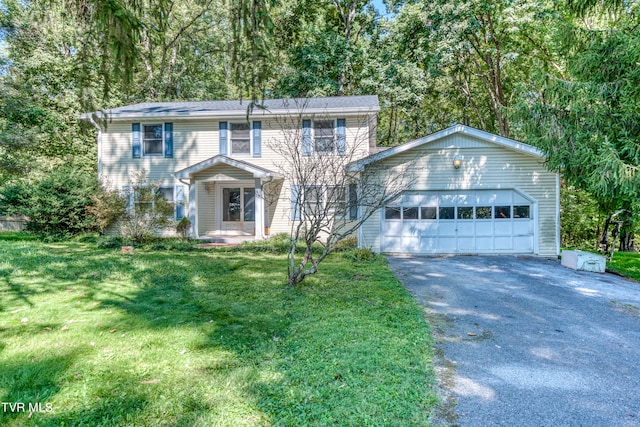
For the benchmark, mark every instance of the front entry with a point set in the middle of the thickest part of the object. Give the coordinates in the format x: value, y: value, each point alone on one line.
x: 237, y: 209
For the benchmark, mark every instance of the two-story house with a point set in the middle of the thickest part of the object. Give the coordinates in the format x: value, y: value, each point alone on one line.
x: 216, y: 160
x: 221, y: 163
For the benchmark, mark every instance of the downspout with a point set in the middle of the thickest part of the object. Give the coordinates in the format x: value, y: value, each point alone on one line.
x: 99, y: 138
x: 264, y: 187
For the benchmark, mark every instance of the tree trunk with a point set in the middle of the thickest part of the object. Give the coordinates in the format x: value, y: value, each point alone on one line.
x: 626, y: 242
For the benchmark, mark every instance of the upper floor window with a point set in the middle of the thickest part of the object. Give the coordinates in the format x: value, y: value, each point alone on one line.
x: 152, y: 140
x: 323, y: 136
x: 240, y: 138
x: 243, y: 139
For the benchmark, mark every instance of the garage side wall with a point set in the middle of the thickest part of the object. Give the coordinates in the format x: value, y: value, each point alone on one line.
x: 484, y: 166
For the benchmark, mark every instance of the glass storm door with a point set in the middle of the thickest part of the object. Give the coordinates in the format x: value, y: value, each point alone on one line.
x: 238, y: 210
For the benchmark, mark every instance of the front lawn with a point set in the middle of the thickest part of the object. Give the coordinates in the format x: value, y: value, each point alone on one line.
x: 626, y: 264
x: 206, y: 338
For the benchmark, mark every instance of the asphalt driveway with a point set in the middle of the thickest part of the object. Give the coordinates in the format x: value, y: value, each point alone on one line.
x: 526, y: 342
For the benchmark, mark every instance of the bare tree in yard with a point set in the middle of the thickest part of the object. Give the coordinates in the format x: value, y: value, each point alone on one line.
x: 328, y: 203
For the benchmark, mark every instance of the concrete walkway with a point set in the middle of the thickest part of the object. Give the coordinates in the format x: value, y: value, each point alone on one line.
x: 527, y: 342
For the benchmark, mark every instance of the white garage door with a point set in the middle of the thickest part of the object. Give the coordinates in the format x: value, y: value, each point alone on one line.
x: 466, y: 222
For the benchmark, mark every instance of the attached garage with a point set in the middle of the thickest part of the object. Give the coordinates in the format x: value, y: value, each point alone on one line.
x: 465, y: 191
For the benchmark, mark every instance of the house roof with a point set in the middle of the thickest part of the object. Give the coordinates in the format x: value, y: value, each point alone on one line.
x: 359, y: 165
x: 256, y: 171
x: 338, y: 104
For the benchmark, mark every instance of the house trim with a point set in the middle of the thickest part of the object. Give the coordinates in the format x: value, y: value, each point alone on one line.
x: 256, y: 171
x: 359, y: 165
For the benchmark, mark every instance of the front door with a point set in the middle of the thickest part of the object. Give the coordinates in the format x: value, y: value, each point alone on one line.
x: 238, y: 209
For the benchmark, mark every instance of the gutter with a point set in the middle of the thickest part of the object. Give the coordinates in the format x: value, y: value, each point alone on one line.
x: 232, y: 114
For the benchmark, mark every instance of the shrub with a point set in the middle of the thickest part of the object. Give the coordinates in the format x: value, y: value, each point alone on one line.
x: 347, y: 244
x: 108, y: 206
x: 364, y: 254
x: 12, y: 199
x: 57, y: 204
x: 182, y: 228
x: 149, y: 214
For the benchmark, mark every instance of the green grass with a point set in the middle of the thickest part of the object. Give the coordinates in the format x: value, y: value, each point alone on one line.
x: 206, y: 338
x: 626, y: 264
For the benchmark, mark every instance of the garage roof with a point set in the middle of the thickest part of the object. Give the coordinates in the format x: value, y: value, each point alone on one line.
x: 359, y: 165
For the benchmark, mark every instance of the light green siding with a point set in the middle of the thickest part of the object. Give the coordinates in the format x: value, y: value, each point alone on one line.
x: 484, y: 166
x: 196, y: 140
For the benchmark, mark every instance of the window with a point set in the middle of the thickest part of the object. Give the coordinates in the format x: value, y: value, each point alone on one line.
x: 146, y: 200
x: 521, y: 212
x: 465, y: 212
x: 249, y: 204
x: 152, y: 140
x: 320, y: 199
x: 428, y: 212
x: 231, y: 204
x: 238, y: 204
x: 502, y: 212
x: 336, y: 199
x: 323, y: 138
x: 409, y: 213
x: 240, y: 138
x: 483, y: 212
x: 392, y: 213
x: 447, y: 213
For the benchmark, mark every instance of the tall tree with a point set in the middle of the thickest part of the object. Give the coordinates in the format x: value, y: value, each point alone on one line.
x: 482, y: 47
x: 323, y: 46
x: 588, y: 122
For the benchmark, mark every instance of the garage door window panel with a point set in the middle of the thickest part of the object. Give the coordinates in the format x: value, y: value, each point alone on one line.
x: 483, y: 212
x: 392, y: 213
x: 521, y: 212
x: 447, y: 212
x: 428, y: 212
x: 410, y: 213
x: 465, y: 212
x: 502, y: 212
